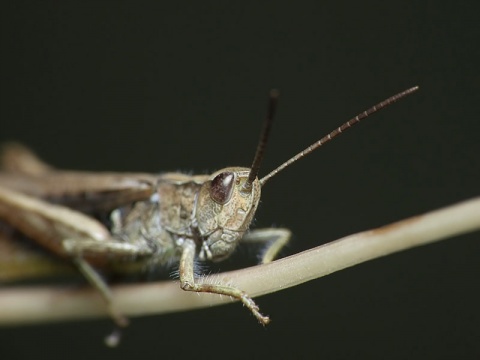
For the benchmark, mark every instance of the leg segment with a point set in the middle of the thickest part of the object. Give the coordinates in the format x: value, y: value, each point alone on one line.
x: 77, y: 249
x: 187, y: 281
x: 275, y: 239
x: 97, y: 282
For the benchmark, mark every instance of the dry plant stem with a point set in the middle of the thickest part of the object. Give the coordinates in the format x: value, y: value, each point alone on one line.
x: 46, y: 304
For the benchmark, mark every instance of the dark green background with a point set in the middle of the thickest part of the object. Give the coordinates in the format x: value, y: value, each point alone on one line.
x: 153, y: 86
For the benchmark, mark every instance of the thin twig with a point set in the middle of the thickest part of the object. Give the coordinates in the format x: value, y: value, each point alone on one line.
x: 47, y: 304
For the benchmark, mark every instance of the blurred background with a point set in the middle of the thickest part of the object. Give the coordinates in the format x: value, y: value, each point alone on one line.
x: 156, y: 86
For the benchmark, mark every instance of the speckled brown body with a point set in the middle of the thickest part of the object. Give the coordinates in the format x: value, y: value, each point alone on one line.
x: 160, y: 218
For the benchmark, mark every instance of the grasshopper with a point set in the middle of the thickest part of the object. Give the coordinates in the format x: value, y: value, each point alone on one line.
x: 152, y: 218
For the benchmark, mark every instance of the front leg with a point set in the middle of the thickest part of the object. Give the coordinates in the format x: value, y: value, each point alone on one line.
x: 275, y: 239
x: 187, y: 282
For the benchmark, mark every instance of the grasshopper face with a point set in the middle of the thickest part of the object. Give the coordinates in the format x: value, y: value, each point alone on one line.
x: 224, y: 209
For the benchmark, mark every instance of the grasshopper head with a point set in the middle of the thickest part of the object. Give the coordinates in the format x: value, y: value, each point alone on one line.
x: 224, y: 209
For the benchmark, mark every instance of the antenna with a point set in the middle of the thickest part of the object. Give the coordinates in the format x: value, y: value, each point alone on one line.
x: 327, y: 138
x: 267, y: 125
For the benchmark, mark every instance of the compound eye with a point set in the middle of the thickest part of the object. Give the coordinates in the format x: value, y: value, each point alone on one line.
x: 222, y: 187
